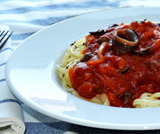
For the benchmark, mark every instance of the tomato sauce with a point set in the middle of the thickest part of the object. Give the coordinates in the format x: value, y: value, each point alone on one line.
x: 122, y: 77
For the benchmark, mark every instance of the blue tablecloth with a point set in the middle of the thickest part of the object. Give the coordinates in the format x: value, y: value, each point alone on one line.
x: 27, y: 17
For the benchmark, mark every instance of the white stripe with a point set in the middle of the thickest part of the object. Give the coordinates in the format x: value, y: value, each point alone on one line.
x: 2, y: 68
x: 16, y: 4
x: 4, y: 56
x: 70, y: 1
x: 20, y: 28
x: 16, y: 43
x: 149, y: 3
x: 29, y: 16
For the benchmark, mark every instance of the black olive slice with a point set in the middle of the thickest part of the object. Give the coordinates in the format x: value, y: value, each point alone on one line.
x: 97, y: 33
x: 142, y: 51
x: 113, y: 25
x: 158, y: 24
x: 103, y: 39
x: 86, y: 57
x: 125, y: 70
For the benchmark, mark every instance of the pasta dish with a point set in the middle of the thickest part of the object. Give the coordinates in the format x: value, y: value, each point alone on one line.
x: 118, y: 66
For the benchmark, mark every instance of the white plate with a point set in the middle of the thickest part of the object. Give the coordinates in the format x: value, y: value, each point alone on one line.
x: 31, y: 73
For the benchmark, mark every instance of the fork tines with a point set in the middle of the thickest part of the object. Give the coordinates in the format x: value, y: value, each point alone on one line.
x: 4, y: 36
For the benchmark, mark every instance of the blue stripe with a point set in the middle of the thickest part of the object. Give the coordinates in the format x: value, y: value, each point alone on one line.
x: 9, y: 100
x: 1, y: 80
x: 21, y: 36
x: 2, y: 64
x: 42, y: 22
x: 62, y: 127
x: 6, y: 49
x: 73, y: 5
x: 24, y: 0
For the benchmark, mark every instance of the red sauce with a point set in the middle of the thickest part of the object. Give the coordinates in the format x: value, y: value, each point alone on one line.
x: 122, y: 77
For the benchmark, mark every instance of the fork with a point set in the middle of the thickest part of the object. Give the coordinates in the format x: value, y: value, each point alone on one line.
x: 4, y: 36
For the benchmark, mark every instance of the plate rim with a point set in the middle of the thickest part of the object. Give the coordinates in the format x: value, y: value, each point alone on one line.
x: 68, y: 119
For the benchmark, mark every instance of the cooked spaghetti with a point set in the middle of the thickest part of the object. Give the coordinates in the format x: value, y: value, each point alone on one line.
x: 119, y: 66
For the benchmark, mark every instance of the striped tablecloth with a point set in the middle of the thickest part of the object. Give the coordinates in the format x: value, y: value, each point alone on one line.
x: 25, y: 17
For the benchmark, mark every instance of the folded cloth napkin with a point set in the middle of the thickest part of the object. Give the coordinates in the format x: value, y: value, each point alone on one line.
x: 11, y: 121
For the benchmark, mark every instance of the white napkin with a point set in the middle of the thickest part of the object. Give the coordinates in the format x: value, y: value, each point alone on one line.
x: 11, y: 121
